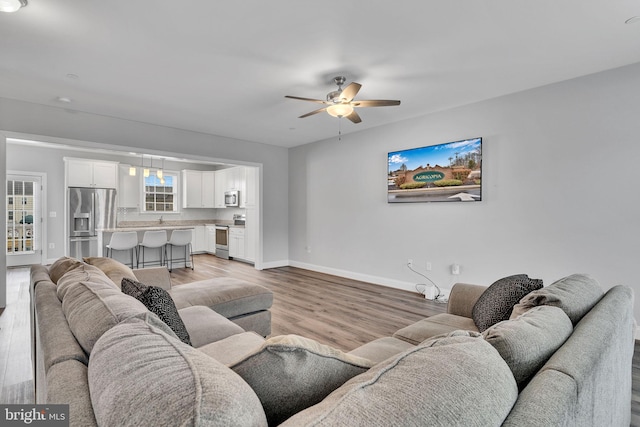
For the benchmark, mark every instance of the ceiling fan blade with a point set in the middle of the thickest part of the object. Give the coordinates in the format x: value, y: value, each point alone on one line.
x: 375, y: 103
x: 320, y: 110
x: 354, y: 117
x: 350, y: 91
x: 319, y: 101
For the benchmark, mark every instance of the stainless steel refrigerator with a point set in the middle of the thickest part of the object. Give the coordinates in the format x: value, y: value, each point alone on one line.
x: 90, y: 210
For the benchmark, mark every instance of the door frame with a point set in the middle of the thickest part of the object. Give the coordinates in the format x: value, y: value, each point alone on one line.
x: 43, y: 218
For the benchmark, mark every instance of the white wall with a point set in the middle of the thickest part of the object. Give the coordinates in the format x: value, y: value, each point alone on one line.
x: 560, y: 164
x: 34, y: 119
x: 3, y: 220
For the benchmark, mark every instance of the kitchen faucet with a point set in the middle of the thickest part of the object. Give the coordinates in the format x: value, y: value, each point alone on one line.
x: 161, y: 220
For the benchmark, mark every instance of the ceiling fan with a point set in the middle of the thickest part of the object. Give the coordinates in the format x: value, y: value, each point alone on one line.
x: 340, y: 102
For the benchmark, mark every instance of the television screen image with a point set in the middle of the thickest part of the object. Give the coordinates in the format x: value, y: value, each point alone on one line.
x: 450, y: 172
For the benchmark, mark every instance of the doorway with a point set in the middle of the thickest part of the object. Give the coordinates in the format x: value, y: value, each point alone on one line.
x: 24, y: 207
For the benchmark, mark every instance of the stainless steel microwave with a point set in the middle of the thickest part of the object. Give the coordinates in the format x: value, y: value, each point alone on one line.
x: 231, y: 198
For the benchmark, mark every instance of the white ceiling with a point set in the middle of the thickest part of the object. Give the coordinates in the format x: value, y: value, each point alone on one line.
x: 223, y: 68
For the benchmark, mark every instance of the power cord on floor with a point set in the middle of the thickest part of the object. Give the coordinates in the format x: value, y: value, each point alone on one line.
x: 440, y: 297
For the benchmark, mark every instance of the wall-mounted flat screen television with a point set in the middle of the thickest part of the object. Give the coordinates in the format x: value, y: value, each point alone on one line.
x: 449, y: 172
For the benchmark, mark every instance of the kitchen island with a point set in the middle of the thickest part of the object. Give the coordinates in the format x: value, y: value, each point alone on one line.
x: 201, y: 242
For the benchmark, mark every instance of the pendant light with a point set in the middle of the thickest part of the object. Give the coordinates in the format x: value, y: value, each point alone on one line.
x: 159, y: 172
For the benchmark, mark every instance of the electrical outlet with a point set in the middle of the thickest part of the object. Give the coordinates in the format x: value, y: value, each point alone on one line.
x: 52, y: 245
x: 455, y: 269
x: 428, y: 266
x: 410, y: 262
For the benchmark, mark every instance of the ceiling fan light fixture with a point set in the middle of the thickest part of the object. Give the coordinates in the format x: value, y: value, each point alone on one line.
x: 340, y: 110
x: 12, y: 5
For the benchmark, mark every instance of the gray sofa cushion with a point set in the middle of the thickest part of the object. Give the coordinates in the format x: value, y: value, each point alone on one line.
x: 62, y: 266
x: 575, y: 294
x: 290, y: 373
x: 226, y: 295
x: 462, y: 381
x: 206, y: 326
x: 159, y: 302
x: 92, y: 305
x: 497, y: 301
x: 381, y: 349
x: 230, y: 350
x: 67, y: 384
x: 141, y: 376
x: 527, y: 342
x: 114, y: 270
x: 56, y: 340
x: 439, y: 324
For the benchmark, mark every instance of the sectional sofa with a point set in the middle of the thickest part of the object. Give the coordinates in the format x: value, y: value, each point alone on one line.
x: 563, y: 359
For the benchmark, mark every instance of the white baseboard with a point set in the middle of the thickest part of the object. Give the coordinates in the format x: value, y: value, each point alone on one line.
x: 384, y: 281
x: 275, y: 264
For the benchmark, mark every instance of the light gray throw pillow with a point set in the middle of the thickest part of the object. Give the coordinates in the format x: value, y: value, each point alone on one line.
x: 290, y: 373
x: 575, y: 294
x: 141, y: 375
x: 454, y: 381
x: 528, y: 341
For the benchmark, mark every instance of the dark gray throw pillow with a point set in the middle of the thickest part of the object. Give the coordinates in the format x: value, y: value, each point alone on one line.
x: 159, y: 302
x: 497, y: 301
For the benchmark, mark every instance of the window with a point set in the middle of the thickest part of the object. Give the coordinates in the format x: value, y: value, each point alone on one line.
x: 161, y: 194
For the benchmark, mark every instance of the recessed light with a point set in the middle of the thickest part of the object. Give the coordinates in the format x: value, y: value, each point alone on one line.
x: 63, y: 99
x: 632, y: 20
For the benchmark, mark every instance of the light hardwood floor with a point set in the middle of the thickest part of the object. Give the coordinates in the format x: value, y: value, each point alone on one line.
x: 336, y: 311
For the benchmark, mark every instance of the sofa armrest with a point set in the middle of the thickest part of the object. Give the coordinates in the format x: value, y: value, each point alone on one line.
x: 156, y: 276
x: 463, y: 297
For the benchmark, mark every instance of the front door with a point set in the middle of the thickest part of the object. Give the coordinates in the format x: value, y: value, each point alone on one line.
x: 24, y: 219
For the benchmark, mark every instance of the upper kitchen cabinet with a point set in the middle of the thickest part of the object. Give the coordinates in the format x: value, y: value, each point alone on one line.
x: 198, y: 189
x: 231, y: 179
x: 220, y: 188
x: 128, y: 188
x: 91, y: 173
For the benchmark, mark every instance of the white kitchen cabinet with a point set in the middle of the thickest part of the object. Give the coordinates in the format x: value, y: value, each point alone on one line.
x: 128, y: 188
x: 208, y: 189
x: 220, y: 188
x: 236, y: 243
x: 198, y: 189
x: 211, y: 239
x: 89, y: 173
x: 199, y: 240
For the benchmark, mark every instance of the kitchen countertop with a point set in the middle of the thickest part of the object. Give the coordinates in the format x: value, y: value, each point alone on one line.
x: 166, y: 225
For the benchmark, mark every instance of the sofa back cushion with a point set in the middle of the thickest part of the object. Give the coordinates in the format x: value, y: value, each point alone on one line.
x: 63, y: 265
x: 457, y: 380
x: 528, y: 341
x: 497, y: 301
x: 290, y: 373
x: 114, y: 270
x: 575, y: 294
x: 139, y: 375
x: 92, y: 304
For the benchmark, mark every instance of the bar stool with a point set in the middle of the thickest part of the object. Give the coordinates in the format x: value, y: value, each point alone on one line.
x: 180, y: 238
x: 123, y: 241
x: 153, y: 240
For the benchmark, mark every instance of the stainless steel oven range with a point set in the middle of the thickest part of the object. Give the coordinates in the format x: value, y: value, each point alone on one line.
x: 222, y: 241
